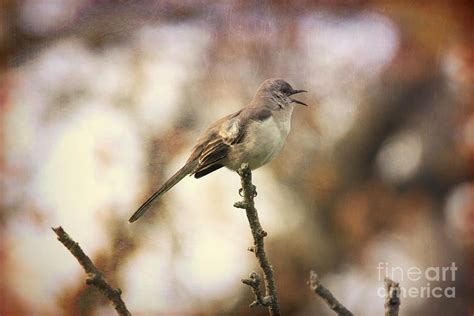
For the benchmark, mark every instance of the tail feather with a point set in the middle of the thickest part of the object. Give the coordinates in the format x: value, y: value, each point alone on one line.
x: 178, y: 176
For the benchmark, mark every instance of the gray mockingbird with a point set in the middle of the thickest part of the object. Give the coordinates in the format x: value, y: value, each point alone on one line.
x: 254, y: 135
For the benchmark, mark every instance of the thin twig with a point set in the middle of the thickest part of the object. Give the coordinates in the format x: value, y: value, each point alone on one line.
x: 94, y: 276
x: 254, y: 282
x: 392, y: 297
x: 249, y: 192
x: 326, y: 295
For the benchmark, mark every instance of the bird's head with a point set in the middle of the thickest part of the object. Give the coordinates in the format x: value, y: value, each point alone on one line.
x: 279, y: 91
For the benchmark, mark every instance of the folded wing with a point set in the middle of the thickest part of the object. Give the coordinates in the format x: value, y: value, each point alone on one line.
x: 214, y: 150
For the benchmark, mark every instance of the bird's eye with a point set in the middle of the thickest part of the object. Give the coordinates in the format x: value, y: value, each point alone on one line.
x: 286, y: 90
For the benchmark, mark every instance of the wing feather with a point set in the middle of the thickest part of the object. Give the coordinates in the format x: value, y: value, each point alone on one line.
x: 218, y: 145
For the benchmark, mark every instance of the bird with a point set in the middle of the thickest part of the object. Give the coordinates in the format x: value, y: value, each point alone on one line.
x: 254, y: 135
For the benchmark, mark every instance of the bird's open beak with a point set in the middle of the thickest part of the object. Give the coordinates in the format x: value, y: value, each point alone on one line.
x: 296, y: 101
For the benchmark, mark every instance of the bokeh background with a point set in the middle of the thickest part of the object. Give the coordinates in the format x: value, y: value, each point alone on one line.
x: 100, y: 101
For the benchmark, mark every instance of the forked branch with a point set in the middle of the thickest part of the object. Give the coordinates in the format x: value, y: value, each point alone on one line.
x: 248, y: 192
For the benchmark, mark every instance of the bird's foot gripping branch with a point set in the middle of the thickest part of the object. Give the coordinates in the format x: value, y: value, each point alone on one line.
x: 248, y: 192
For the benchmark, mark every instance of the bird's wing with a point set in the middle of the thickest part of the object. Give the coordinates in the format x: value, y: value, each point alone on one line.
x: 214, y: 149
x: 214, y: 144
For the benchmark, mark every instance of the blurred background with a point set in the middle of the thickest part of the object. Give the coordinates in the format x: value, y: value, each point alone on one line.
x: 100, y: 101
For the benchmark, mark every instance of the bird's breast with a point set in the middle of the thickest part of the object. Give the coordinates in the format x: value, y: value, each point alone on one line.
x: 262, y: 142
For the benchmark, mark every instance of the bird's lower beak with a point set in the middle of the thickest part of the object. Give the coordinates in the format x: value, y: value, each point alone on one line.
x: 299, y: 102
x: 296, y: 101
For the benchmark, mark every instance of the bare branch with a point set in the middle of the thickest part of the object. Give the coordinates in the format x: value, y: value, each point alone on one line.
x: 254, y: 282
x: 392, y: 297
x: 326, y: 295
x: 248, y: 193
x: 94, y: 276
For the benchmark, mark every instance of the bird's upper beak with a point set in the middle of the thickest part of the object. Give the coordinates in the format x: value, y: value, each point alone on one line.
x: 296, y: 101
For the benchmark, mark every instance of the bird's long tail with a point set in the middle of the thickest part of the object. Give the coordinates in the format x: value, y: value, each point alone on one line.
x: 178, y: 176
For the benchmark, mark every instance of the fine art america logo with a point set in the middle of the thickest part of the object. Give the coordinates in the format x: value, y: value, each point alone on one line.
x: 430, y: 281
